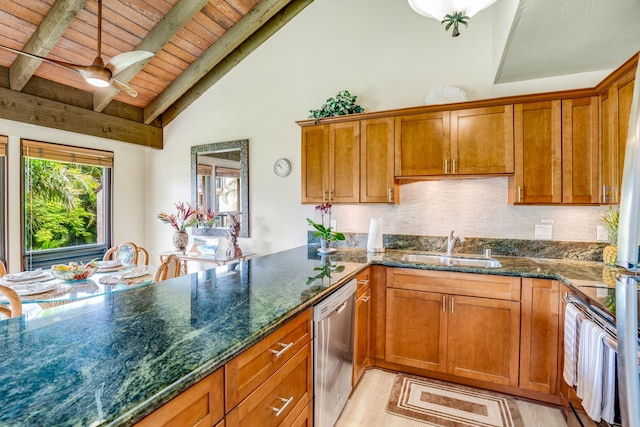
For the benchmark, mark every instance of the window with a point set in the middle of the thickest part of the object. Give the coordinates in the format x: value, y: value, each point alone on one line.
x: 3, y: 193
x: 66, y: 201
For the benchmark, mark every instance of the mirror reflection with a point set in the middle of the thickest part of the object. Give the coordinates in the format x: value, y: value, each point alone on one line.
x: 220, y: 181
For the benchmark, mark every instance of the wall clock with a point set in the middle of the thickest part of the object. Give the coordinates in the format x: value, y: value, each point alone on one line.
x: 282, y: 167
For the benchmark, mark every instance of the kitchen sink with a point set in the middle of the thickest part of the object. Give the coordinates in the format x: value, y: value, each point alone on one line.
x: 453, y: 260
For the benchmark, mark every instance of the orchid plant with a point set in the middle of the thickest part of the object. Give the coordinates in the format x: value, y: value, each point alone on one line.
x: 185, y: 217
x: 325, y: 231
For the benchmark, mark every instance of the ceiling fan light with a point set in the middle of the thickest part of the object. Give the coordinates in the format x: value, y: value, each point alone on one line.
x: 93, y: 81
x: 438, y: 9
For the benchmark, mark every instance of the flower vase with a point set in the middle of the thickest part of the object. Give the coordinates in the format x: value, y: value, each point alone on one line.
x: 325, y: 246
x: 180, y: 240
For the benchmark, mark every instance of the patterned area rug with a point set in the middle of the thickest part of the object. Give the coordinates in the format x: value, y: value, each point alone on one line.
x: 440, y: 403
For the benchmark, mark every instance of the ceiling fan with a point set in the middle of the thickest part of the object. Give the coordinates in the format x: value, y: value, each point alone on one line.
x: 99, y: 74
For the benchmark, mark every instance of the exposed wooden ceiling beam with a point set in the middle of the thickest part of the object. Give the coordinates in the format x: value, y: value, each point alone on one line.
x: 20, y: 107
x: 43, y: 39
x: 274, y: 24
x: 159, y: 36
x: 229, y: 41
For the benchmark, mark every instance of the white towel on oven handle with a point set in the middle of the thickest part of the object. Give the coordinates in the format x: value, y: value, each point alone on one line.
x: 569, y: 371
x: 609, y: 389
x: 591, y: 368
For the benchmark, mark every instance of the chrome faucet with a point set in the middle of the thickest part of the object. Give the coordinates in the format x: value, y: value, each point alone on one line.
x: 451, y: 241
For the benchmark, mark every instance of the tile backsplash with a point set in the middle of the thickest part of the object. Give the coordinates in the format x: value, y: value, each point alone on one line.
x: 474, y: 208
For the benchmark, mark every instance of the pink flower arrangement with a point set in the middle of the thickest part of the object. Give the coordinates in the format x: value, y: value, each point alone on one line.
x: 207, y: 218
x: 185, y: 217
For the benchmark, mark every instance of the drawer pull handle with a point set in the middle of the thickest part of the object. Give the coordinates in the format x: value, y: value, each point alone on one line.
x: 279, y: 353
x: 363, y: 282
x: 365, y: 298
x: 278, y: 411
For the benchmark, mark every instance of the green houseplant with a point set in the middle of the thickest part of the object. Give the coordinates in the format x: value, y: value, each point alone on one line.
x: 325, y: 232
x: 344, y: 103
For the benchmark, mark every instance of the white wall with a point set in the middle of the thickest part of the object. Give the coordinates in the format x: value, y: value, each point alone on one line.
x: 128, y: 182
x: 390, y: 57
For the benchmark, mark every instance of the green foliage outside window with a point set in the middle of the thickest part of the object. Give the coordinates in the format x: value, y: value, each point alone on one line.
x: 60, y: 204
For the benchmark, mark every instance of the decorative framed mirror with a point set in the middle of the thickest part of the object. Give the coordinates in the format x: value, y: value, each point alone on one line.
x: 220, y: 181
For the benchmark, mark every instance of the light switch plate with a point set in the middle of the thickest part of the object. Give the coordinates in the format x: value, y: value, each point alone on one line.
x: 601, y: 234
x: 543, y: 231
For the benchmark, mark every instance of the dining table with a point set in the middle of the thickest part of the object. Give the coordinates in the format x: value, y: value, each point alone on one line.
x: 41, y: 287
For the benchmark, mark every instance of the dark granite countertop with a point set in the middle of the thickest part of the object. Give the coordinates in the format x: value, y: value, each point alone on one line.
x: 112, y: 359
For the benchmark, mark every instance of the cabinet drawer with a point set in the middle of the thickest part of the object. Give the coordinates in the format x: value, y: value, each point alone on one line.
x: 200, y: 405
x: 285, y: 393
x: 468, y: 284
x: 251, y: 368
x: 363, y: 282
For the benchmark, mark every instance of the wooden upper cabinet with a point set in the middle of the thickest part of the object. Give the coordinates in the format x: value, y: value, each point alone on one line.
x: 475, y: 141
x: 423, y: 144
x: 315, y: 163
x: 580, y: 156
x: 482, y: 141
x: 344, y: 162
x: 377, y: 183
x: 615, y: 109
x: 331, y: 163
x: 538, y: 154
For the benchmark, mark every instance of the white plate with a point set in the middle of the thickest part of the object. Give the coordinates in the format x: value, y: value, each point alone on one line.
x: 25, y: 276
x: 33, y: 288
x: 136, y: 272
x: 109, y: 264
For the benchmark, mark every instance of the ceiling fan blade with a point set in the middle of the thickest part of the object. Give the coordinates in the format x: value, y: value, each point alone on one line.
x: 124, y: 87
x: 119, y: 62
x: 75, y: 67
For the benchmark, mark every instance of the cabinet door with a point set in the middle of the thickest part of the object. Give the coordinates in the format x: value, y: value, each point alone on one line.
x: 199, y: 405
x: 539, y: 335
x: 609, y: 171
x: 315, y: 163
x: 482, y: 141
x: 362, y: 334
x: 538, y: 154
x: 377, y: 161
x: 344, y: 162
x: 423, y: 144
x: 416, y: 329
x: 484, y: 339
x: 621, y: 94
x: 580, y: 157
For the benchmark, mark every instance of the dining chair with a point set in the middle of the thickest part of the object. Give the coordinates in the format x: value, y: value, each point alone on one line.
x: 14, y: 308
x: 3, y: 269
x: 128, y: 253
x: 170, y: 267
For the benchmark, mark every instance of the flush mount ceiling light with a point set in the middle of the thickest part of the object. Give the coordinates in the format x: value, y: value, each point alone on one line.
x: 450, y: 12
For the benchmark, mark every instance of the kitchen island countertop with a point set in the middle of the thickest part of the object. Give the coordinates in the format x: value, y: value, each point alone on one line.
x: 111, y: 360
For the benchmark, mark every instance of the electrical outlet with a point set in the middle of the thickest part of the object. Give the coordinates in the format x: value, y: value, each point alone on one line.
x: 542, y: 232
x: 601, y: 234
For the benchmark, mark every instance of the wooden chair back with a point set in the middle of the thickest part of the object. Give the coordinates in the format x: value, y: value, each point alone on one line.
x: 128, y: 253
x: 14, y: 308
x: 3, y: 269
x: 170, y: 267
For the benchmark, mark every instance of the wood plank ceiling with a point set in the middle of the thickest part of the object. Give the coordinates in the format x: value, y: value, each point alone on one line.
x: 195, y: 42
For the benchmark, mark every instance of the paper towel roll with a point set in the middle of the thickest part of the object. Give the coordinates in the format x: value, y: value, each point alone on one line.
x: 374, y: 242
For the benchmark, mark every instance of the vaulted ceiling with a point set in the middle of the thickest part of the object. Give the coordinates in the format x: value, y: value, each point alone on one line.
x: 194, y: 42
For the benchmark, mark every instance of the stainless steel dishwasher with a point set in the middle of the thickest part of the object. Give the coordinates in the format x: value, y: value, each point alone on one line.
x: 333, y: 354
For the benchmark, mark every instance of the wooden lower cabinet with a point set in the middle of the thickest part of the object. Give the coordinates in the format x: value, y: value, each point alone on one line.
x: 255, y: 365
x: 484, y: 339
x: 539, y: 335
x: 475, y: 337
x: 305, y: 419
x: 281, y: 397
x: 362, y: 328
x: 200, y: 405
